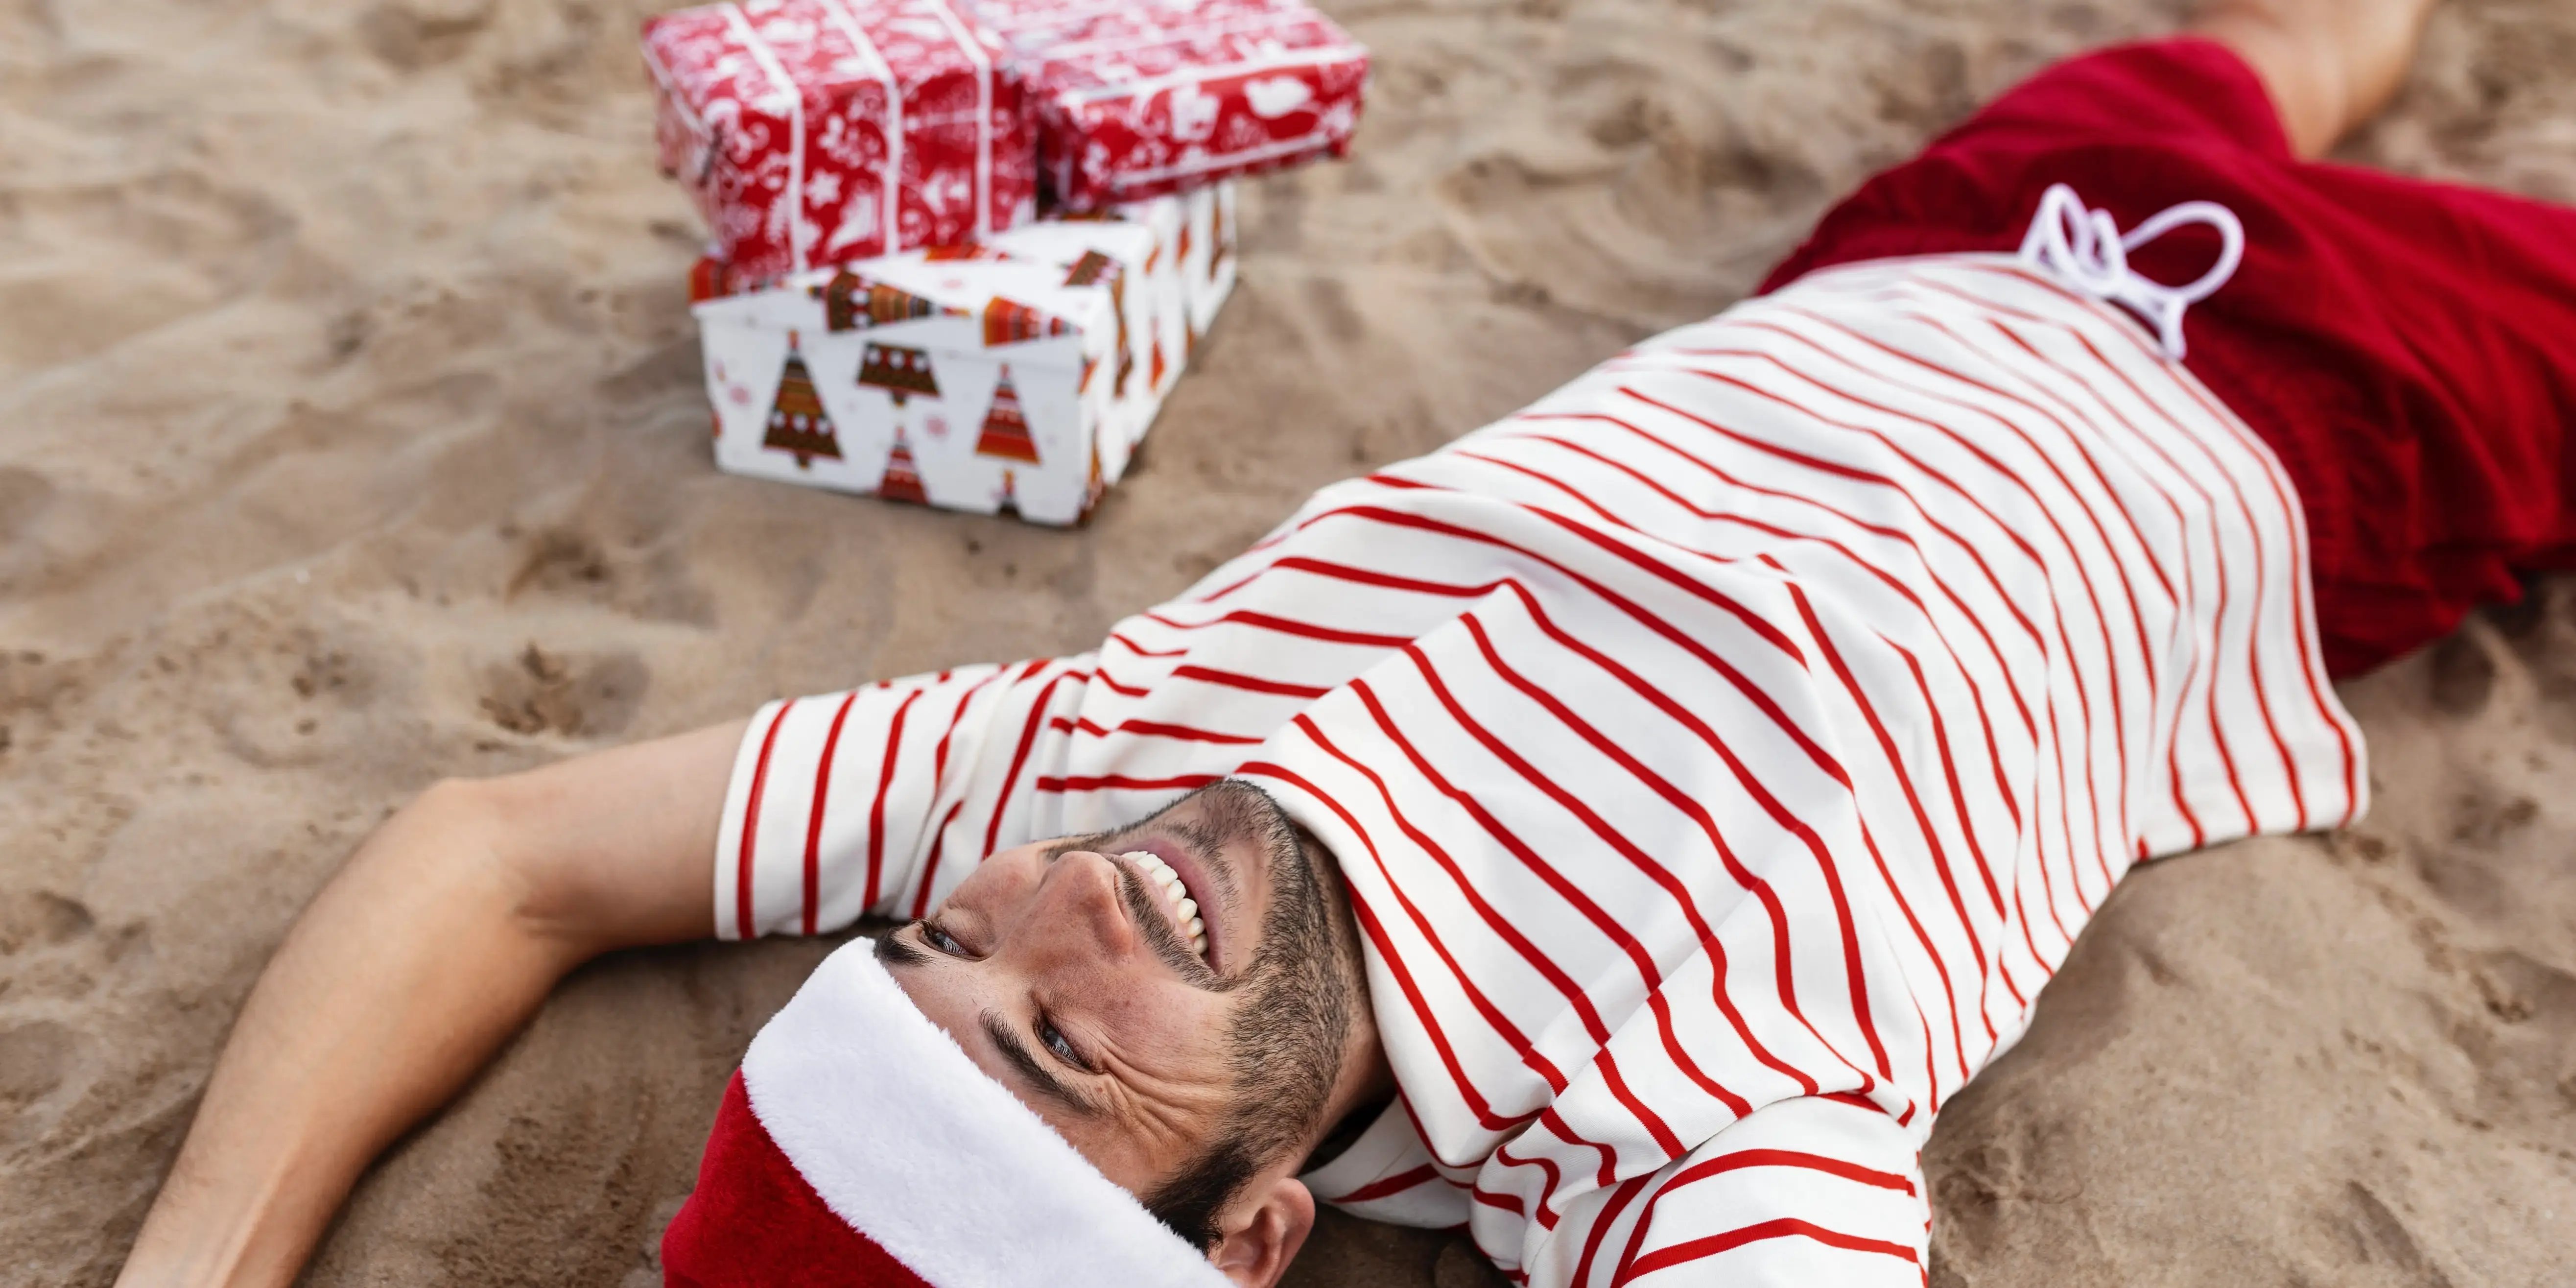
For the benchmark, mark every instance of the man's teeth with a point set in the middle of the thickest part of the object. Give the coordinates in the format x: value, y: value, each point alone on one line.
x: 1185, y: 908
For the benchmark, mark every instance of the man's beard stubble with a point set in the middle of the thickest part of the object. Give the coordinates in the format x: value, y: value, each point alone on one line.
x: 1285, y: 1043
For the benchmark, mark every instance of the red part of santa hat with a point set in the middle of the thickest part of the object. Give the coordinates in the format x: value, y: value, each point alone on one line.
x: 859, y: 1146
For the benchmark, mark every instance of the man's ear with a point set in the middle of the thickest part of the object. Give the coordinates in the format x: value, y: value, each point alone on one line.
x: 1268, y: 1222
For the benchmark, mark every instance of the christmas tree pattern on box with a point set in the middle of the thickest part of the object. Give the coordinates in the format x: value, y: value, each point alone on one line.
x: 901, y: 481
x: 903, y: 372
x: 1006, y: 431
x: 798, y: 425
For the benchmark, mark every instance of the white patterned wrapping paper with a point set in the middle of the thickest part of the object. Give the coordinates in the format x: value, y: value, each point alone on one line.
x: 1021, y: 372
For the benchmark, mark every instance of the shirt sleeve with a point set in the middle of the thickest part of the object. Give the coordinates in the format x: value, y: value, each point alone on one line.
x: 1809, y: 1191
x: 878, y: 800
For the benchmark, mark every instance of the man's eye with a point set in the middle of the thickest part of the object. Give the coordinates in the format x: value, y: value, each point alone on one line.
x: 942, y: 940
x: 1056, y: 1041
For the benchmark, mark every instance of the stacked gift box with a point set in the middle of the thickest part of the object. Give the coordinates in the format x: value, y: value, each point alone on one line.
x: 960, y: 250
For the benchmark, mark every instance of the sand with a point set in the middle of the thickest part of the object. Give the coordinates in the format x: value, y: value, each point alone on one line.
x: 350, y: 437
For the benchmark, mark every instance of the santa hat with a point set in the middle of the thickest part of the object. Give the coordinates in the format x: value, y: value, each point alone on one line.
x: 859, y: 1146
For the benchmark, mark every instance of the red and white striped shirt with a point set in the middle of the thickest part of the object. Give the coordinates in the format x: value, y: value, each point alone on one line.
x: 1722, y: 753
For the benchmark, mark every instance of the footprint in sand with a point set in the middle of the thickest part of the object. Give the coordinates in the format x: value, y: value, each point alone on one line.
x: 646, y: 581
x: 414, y: 34
x: 574, y: 695
x: 34, y: 1058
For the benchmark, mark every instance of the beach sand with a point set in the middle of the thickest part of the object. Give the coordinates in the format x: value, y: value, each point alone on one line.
x: 351, y: 436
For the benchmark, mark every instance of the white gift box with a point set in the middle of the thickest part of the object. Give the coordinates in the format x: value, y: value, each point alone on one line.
x: 1206, y: 253
x: 1021, y: 371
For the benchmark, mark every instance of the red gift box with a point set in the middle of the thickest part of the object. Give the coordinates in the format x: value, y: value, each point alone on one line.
x: 1139, y: 99
x: 815, y: 132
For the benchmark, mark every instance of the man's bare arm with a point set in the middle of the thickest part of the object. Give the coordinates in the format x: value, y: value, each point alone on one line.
x: 436, y: 941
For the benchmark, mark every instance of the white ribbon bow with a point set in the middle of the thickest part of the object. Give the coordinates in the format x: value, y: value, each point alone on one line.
x: 2084, y: 249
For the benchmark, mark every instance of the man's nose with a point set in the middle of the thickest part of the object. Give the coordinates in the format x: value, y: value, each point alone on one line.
x: 1079, y: 906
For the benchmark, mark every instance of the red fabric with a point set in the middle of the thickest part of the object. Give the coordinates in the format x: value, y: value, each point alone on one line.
x: 754, y: 1221
x: 2407, y: 348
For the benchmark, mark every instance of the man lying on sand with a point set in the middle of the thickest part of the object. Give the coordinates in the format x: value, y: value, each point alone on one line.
x: 1617, y: 833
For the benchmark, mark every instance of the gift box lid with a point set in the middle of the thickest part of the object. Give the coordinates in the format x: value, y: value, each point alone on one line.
x: 954, y: 298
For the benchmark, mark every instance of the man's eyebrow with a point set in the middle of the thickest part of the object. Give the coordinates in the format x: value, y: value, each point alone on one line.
x: 1043, y: 1078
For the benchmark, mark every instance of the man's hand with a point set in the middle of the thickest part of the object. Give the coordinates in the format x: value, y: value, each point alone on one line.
x: 436, y: 942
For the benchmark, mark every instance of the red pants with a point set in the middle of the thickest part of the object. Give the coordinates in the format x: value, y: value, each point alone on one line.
x: 2408, y: 349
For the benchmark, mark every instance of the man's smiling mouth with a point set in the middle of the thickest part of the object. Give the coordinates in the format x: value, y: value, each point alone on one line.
x: 1178, y: 901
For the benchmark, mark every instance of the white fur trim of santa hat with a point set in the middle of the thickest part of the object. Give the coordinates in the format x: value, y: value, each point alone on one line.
x: 923, y: 1154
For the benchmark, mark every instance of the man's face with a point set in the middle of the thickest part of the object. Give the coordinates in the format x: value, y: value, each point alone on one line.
x: 1066, y: 970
